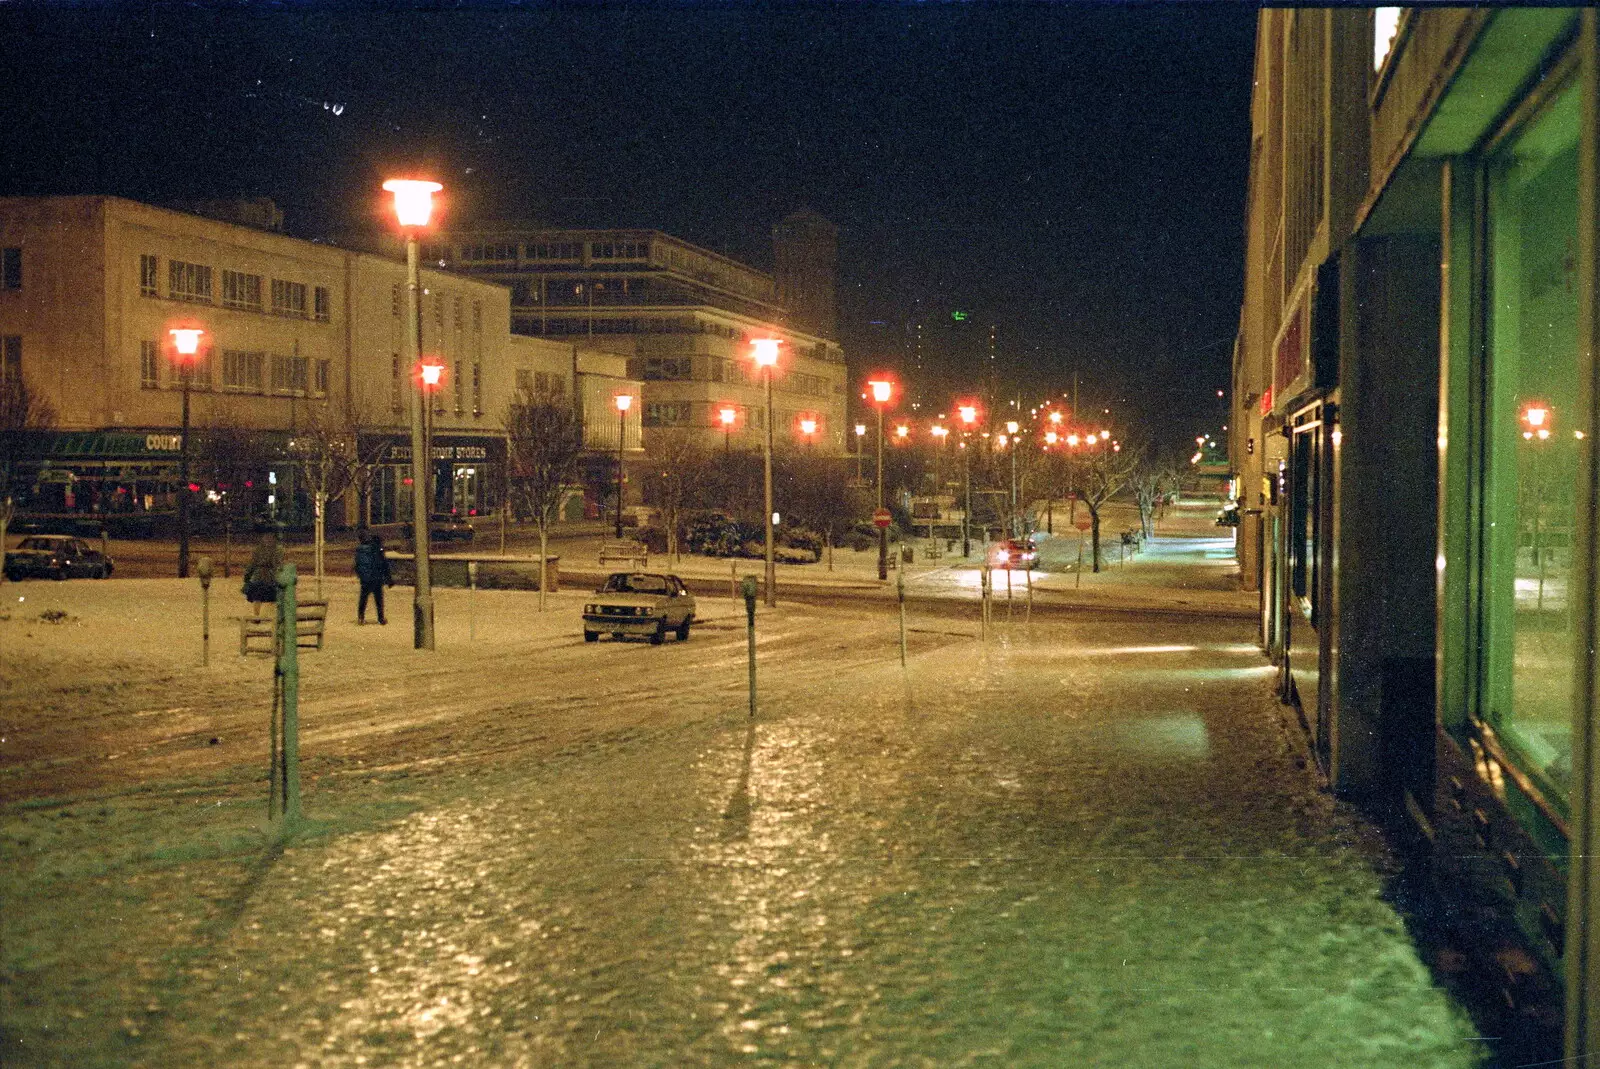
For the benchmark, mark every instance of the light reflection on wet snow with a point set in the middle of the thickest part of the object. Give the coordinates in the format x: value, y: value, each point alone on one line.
x: 771, y: 858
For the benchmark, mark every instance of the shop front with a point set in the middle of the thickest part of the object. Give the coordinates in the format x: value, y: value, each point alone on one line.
x: 467, y: 476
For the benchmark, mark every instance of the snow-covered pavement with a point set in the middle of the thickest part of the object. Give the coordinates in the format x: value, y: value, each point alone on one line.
x: 1087, y: 840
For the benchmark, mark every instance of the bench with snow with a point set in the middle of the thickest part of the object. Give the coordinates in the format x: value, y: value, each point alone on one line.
x: 627, y: 549
x: 310, y: 617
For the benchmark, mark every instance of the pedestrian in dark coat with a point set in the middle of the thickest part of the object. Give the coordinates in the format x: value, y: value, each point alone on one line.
x: 372, y: 568
x: 261, y: 574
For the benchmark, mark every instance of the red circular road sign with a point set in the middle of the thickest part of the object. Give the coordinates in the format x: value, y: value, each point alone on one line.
x: 1083, y: 524
x: 882, y: 518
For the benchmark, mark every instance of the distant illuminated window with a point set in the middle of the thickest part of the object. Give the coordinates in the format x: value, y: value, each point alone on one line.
x: 11, y: 269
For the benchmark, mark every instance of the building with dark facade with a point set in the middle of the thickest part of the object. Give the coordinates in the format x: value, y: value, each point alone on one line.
x: 1413, y: 418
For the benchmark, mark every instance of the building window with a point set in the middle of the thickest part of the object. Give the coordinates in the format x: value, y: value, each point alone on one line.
x: 324, y: 304
x: 320, y: 387
x: 477, y: 317
x: 395, y: 302
x: 149, y: 365
x: 668, y: 368
x: 477, y: 388
x: 288, y: 298
x: 666, y: 413
x: 460, y: 388
x: 240, y: 290
x: 524, y: 382
x: 243, y: 370
x: 189, y: 282
x: 289, y: 374
x: 10, y: 269
x: 1534, y: 433
x: 149, y: 277
x: 461, y: 315
x: 394, y: 383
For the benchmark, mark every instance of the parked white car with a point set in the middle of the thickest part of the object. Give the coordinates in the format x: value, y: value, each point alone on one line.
x: 639, y: 603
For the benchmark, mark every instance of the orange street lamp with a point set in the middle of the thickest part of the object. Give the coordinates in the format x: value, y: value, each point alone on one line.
x: 1016, y: 520
x: 882, y: 391
x: 186, y: 352
x: 764, y: 351
x: 413, y: 207
x: 969, y: 416
x: 727, y: 416
x: 624, y: 402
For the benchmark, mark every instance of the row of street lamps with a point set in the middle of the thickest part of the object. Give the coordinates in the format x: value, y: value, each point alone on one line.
x: 413, y: 206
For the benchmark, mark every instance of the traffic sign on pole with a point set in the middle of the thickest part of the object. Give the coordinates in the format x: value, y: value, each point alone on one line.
x: 1083, y: 523
x: 882, y: 518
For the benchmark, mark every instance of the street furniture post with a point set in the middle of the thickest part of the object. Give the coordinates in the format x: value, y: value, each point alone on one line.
x: 203, y: 570
x: 288, y: 673
x: 748, y: 588
x: 900, y: 589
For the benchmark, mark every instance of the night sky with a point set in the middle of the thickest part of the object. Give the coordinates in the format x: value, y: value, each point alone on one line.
x: 1074, y: 175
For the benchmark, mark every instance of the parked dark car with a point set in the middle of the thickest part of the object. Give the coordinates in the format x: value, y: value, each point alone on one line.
x: 56, y: 557
x: 446, y: 527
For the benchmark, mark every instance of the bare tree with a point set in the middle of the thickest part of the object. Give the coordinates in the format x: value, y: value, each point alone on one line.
x: 1101, y: 473
x: 21, y: 411
x: 543, y: 442
x: 229, y: 457
x: 677, y: 478
x: 816, y: 493
x: 337, y: 458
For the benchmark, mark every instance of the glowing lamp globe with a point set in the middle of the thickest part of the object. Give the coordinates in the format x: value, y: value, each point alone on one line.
x: 764, y: 351
x: 413, y: 199
x: 186, y: 340
x: 624, y: 402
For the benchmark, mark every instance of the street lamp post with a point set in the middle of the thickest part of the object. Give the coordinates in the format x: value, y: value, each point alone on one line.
x: 727, y: 416
x: 808, y: 429
x: 881, y: 391
x: 186, y: 342
x: 1011, y: 431
x: 413, y: 204
x: 861, y: 432
x: 765, y: 353
x: 969, y: 416
x: 624, y: 402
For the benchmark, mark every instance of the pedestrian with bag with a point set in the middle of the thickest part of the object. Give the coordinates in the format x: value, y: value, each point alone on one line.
x: 372, y: 568
x: 261, y: 574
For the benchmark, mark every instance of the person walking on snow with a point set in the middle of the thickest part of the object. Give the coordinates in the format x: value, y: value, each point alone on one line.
x: 372, y: 568
x: 261, y: 574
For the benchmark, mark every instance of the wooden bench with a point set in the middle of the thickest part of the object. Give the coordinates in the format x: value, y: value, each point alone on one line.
x: 310, y: 617
x: 627, y: 549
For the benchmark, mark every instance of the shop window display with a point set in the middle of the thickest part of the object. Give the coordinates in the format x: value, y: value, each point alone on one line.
x: 1533, y: 433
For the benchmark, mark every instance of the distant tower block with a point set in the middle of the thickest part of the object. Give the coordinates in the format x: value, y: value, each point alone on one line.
x: 805, y: 248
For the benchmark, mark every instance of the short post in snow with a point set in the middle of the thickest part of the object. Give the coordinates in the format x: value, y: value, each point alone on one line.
x: 984, y: 581
x: 733, y: 579
x: 900, y: 589
x: 748, y: 588
x: 1028, y: 575
x: 204, y: 570
x: 286, y: 773
x: 472, y: 601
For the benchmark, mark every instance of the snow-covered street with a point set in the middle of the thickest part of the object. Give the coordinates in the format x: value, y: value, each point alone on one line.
x: 1087, y: 839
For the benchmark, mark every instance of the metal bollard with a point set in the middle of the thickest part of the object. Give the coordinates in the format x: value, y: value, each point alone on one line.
x: 204, y: 571
x: 748, y: 587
